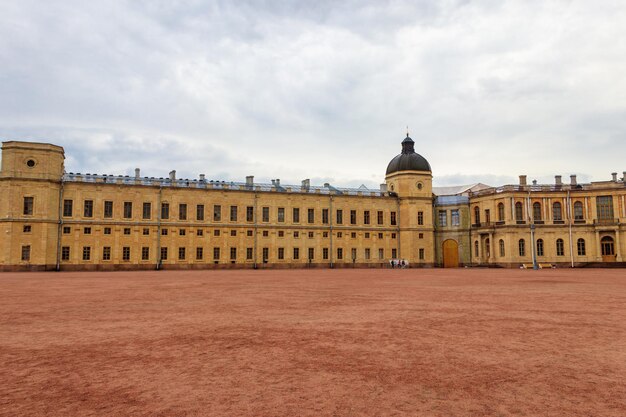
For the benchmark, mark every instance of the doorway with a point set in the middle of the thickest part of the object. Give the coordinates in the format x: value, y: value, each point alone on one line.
x: 450, y: 253
x: 607, y: 245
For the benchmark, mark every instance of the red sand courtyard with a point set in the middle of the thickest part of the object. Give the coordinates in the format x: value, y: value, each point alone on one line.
x: 314, y: 343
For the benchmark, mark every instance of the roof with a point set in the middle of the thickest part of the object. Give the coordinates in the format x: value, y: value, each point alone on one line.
x: 460, y: 189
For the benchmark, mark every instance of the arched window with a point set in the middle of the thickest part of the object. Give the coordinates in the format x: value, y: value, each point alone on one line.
x: 580, y: 244
x: 607, y: 246
x: 536, y: 211
x: 522, y: 247
x: 557, y: 212
x: 476, y: 215
x: 578, y: 211
x: 519, y: 212
x: 476, y: 249
x: 539, y: 247
x: 501, y: 212
x: 560, y: 247
x: 501, y: 248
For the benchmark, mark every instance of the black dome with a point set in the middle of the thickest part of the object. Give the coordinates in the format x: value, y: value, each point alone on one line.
x: 408, y: 160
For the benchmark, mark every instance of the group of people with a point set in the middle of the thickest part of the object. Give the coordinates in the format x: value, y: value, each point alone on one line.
x: 398, y: 263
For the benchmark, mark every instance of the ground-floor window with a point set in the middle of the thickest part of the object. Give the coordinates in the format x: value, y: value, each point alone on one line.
x: 26, y: 253
x: 106, y: 253
x: 86, y: 253
x: 126, y: 253
x: 145, y: 253
x: 421, y: 254
x: 501, y: 248
x: 580, y: 245
x: 522, y: 247
x: 560, y: 247
x: 539, y: 247
x: 164, y: 254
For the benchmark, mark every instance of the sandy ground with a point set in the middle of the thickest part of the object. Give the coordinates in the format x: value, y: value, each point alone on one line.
x: 314, y: 343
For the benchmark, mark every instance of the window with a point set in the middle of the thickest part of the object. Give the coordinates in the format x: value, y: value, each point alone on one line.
x: 580, y: 245
x: 311, y: 235
x: 325, y: 253
x: 353, y: 250
x: 311, y: 215
x: 604, y: 206
x: 199, y: 253
x: 393, y: 235
x: 487, y: 216
x: 249, y: 233
x: 106, y: 253
x: 381, y: 254
x: 393, y: 218
x: 182, y: 232
x: 164, y: 232
x: 380, y: 217
x: 296, y: 234
x: 216, y: 254
x: 87, y: 230
x: 26, y: 253
x: 128, y: 210
x: 281, y: 253
x: 27, y: 228
x: 366, y: 217
x: 127, y: 230
x: 367, y: 235
x: 339, y: 216
x: 233, y: 254
x: 281, y: 233
x: 500, y: 212
x: 65, y: 253
x: 339, y: 235
x: 352, y: 216
x: 164, y: 254
x: 249, y: 253
x: 339, y: 253
x: 476, y: 248
x: 455, y: 218
x: 539, y: 247
x: 147, y: 211
x: 108, y: 210
x: 182, y: 253
x: 146, y: 231
x: 607, y: 246
x: 421, y: 254
x: 233, y: 233
x: 501, y: 248
x: 266, y: 254
x: 536, y: 211
x: 281, y: 214
x: 325, y: 216
x: 560, y: 247
x: 182, y: 211
x: 367, y: 253
x: 233, y: 213
x: 353, y: 235
x: 200, y: 212
x: 217, y: 213
x: 296, y: 215
x: 86, y: 253
x: 578, y: 211
x: 126, y: 253
x: 265, y: 214
x: 249, y: 213
x: 88, y: 208
x: 557, y: 212
x: 311, y: 254
x: 420, y: 236
x: 380, y: 235
x: 165, y: 210
x: 296, y: 253
x: 324, y: 234
x: 145, y: 253
x: 443, y: 218
x: 519, y: 213
x: 216, y: 232
x: 67, y: 208
x: 394, y: 253
x: 106, y: 231
x: 266, y: 233
x: 200, y: 232
x: 420, y: 218
x: 476, y: 215
x: 522, y: 247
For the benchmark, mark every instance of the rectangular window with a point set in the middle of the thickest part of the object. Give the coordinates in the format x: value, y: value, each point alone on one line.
x: 216, y: 254
x: 381, y: 254
x: 216, y: 232
x: 164, y: 232
x: 126, y: 253
x: 146, y: 231
x: 380, y: 217
x: 266, y: 254
x: 182, y: 211
x: 249, y: 213
x: 164, y: 254
x: 296, y: 215
x: 88, y: 208
x: 249, y: 233
x: 107, y: 210
x: 266, y: 233
x: 394, y: 253
x: 443, y: 218
x: 127, y: 230
x: 311, y: 215
x: 200, y: 212
x: 87, y: 230
x: 296, y: 253
x: 106, y: 231
x: 233, y: 254
x: 181, y: 254
x: 353, y: 254
x: 27, y: 228
x: 145, y: 253
x: 339, y: 253
x: 339, y: 216
x: 86, y: 253
x: 325, y: 216
x: 68, y: 206
x: 29, y: 203
x: 296, y: 235
x: 199, y: 253
x: 265, y: 216
x: 249, y: 254
x: 366, y: 217
x: 165, y: 211
x: 456, y: 220
x: 393, y: 218
x: 233, y: 233
x: 281, y: 233
x: 26, y: 253
x: 421, y: 254
x: 128, y: 210
x: 106, y: 253
x: 281, y: 253
x: 604, y: 205
x: 182, y: 232
x: 487, y: 216
x: 281, y: 215
x: 352, y: 216
x: 311, y: 235
x: 146, y: 212
x: 311, y: 254
x: 200, y: 232
x: 420, y: 218
x: 217, y: 213
x: 233, y: 213
x: 325, y: 253
x: 65, y: 253
x: 367, y: 253
x: 560, y: 247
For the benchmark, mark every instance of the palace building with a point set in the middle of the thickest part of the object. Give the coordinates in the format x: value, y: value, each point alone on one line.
x: 54, y: 220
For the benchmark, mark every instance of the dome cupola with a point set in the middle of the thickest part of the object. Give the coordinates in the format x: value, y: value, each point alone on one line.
x: 408, y: 160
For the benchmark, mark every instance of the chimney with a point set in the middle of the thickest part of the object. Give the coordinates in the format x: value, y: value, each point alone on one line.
x: 522, y: 180
x: 202, y: 178
x: 326, y: 185
x: 572, y: 179
x: 173, y: 174
x: 614, y: 175
x: 557, y: 180
x: 250, y: 180
x: 624, y: 177
x: 306, y: 184
x: 383, y: 188
x: 534, y: 182
x: 137, y: 173
x: 277, y: 182
x: 273, y: 182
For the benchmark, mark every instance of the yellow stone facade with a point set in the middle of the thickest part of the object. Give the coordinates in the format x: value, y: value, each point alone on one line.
x: 53, y: 220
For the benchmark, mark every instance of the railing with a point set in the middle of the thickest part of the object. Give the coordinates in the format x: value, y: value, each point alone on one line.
x: 606, y: 222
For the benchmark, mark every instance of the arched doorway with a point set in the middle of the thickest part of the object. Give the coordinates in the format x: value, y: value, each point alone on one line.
x: 450, y: 253
x: 607, y: 245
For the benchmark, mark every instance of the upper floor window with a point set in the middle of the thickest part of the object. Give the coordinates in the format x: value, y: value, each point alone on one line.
x: 455, y: 217
x: 217, y: 213
x: 233, y: 213
x: 339, y: 216
x: 519, y: 212
x: 325, y: 216
x: 420, y: 218
x: 29, y: 204
x: 200, y: 212
x: 311, y: 215
x: 380, y: 217
x: 165, y: 211
x: 128, y: 210
x: 88, y: 208
x: 108, y: 210
x: 68, y: 208
x: 182, y: 211
x: 443, y: 218
x: 605, y: 207
x: 366, y: 217
x: 536, y: 211
x: 557, y: 211
x: 296, y: 215
x: 392, y: 217
x: 281, y: 215
x: 265, y: 214
x: 476, y: 215
x: 249, y: 213
x: 500, y: 212
x: 352, y: 216
x: 578, y: 211
x: 147, y: 211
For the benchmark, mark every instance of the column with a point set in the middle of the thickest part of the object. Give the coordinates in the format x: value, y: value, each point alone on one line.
x: 598, y: 247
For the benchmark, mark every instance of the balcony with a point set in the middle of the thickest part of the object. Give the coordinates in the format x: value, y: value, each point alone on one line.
x: 558, y: 221
x: 606, y: 222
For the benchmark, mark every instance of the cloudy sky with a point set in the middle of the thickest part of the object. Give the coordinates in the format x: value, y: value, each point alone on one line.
x: 319, y: 89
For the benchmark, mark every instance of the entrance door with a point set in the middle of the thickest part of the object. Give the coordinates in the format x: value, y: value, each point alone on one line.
x: 450, y: 254
x: 608, y: 249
